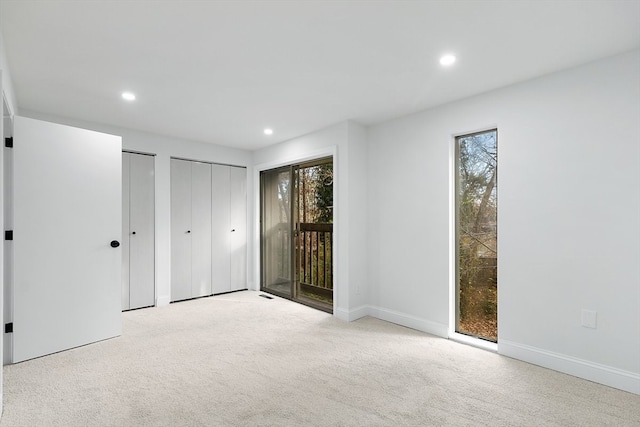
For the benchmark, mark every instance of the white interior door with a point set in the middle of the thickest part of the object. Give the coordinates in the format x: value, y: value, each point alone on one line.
x: 67, y: 212
x: 7, y: 188
x: 141, y: 232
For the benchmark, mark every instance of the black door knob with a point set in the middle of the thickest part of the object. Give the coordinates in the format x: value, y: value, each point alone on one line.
x: 115, y: 243
x: 188, y: 231
x: 133, y: 232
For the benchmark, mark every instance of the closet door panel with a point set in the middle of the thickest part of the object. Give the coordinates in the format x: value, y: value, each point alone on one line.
x: 141, y: 232
x: 180, y: 229
x: 201, y: 229
x: 238, y: 212
x: 126, y: 161
x: 221, y: 229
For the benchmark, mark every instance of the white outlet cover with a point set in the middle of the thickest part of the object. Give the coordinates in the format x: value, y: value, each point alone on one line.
x: 589, y: 319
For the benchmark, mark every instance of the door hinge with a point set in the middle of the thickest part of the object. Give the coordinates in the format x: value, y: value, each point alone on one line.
x: 8, y: 235
x: 8, y: 142
x: 8, y: 328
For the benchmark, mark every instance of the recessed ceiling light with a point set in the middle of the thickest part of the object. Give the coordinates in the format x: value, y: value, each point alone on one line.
x: 268, y: 131
x: 128, y: 96
x: 447, y: 60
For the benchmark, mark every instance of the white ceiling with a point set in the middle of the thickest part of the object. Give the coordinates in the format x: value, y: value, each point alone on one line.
x: 222, y: 71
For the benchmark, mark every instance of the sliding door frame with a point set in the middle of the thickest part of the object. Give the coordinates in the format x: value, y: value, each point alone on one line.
x: 330, y: 151
x: 294, y: 232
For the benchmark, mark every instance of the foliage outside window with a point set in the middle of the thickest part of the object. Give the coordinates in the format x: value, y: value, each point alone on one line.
x: 477, y: 232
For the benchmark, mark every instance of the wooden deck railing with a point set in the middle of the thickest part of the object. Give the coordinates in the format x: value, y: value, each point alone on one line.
x: 315, y: 258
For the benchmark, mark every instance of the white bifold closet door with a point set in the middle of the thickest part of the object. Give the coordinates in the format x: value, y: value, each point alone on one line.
x: 238, y: 252
x: 67, y: 228
x: 180, y: 230
x: 229, y: 219
x: 221, y: 229
x: 200, y: 229
x: 138, y: 240
x: 190, y: 229
x: 208, y: 229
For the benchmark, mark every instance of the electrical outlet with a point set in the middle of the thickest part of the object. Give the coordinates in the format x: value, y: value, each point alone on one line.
x: 589, y: 319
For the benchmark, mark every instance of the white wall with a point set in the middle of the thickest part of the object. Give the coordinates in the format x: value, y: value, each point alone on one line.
x: 346, y: 143
x: 568, y: 217
x: 7, y: 84
x: 164, y: 148
x: 356, y: 203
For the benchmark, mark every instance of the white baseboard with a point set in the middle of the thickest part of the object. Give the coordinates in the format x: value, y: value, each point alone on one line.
x: 396, y: 317
x: 602, y: 374
x: 165, y: 300
x: 351, y: 315
x: 612, y: 377
x: 409, y: 321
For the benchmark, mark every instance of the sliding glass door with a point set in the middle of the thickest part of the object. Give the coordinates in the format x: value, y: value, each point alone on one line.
x: 297, y: 232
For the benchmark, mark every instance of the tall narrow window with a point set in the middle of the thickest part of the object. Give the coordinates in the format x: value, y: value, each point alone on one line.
x: 476, y: 235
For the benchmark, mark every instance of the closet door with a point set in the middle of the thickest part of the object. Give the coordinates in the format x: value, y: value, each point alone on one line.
x: 238, y: 226
x: 180, y: 229
x: 200, y: 229
x: 221, y: 229
x: 141, y: 232
x: 126, y: 162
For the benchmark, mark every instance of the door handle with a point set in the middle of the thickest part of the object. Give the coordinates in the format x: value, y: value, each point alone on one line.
x: 233, y: 230
x: 115, y: 243
x: 133, y: 232
x: 188, y: 231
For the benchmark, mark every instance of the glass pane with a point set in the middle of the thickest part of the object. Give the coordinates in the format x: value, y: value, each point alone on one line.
x: 276, y: 231
x: 314, y: 237
x: 477, y: 256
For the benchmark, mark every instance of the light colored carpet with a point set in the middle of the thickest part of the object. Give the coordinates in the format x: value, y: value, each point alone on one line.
x: 243, y: 360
